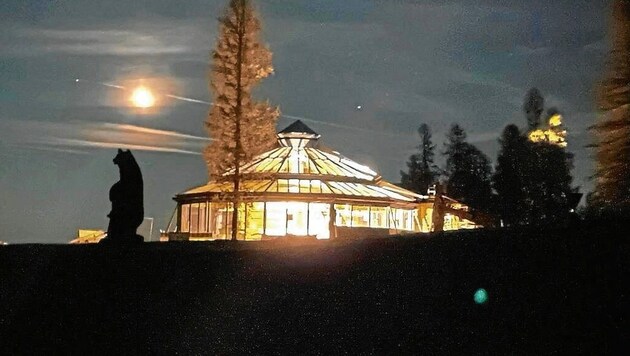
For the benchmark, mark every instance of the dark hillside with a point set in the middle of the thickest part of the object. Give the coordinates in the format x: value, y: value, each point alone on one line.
x: 549, y: 291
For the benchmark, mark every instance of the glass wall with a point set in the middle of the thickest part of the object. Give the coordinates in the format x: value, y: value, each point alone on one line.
x: 213, y: 220
x: 375, y: 217
x: 403, y: 219
x: 297, y: 218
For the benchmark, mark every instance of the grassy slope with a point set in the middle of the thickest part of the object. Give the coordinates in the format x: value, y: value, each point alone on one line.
x: 549, y: 290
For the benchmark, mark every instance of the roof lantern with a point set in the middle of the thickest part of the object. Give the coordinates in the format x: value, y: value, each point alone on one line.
x: 298, y: 135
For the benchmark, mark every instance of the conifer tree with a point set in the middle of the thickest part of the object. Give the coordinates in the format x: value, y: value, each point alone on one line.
x: 548, y: 185
x: 510, y: 179
x: 532, y: 180
x: 533, y: 107
x: 468, y: 171
x: 421, y: 169
x: 239, y: 126
x: 612, y: 131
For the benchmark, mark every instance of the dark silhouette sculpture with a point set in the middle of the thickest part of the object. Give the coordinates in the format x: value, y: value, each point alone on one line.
x: 126, y: 196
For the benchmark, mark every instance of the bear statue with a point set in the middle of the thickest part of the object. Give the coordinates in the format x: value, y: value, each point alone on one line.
x: 126, y: 196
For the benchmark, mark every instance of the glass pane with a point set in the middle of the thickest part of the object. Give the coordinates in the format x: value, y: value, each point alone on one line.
x: 276, y: 222
x: 194, y: 218
x: 220, y: 217
x: 294, y: 186
x: 315, y: 186
x: 203, y: 223
x: 255, y: 216
x: 297, y: 214
x: 344, y: 215
x: 283, y: 185
x: 185, y: 220
x: 378, y: 217
x: 360, y: 216
x: 319, y: 220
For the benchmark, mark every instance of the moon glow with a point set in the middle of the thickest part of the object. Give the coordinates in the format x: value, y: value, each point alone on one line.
x: 142, y: 98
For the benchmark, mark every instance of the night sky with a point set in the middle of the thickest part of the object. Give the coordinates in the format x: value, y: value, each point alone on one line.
x: 403, y: 62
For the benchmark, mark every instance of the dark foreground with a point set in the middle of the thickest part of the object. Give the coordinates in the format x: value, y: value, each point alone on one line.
x: 549, y: 291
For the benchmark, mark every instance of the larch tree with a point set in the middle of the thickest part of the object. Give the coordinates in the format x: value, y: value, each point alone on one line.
x: 467, y: 170
x: 240, y: 127
x: 612, y: 131
x: 421, y: 169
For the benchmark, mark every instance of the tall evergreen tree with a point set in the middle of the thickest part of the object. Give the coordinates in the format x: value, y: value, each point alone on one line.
x: 612, y: 131
x: 421, y: 169
x: 532, y: 180
x: 533, y: 106
x: 549, y: 183
x: 468, y: 171
x: 510, y: 179
x: 240, y: 126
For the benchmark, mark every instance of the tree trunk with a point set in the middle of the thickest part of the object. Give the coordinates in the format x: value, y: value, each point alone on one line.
x: 239, y: 98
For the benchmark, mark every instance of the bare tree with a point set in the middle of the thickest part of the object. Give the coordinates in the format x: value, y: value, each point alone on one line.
x: 239, y: 126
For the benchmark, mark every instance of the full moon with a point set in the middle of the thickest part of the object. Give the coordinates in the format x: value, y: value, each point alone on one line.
x: 142, y: 98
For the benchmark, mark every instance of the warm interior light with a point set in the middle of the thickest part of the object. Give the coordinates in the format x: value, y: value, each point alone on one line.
x: 142, y: 98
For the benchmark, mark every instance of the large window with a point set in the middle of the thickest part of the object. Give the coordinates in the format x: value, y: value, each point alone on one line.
x: 360, y: 216
x: 378, y: 217
x: 203, y: 217
x: 221, y: 217
x: 185, y: 220
x: 319, y: 220
x: 402, y: 219
x: 344, y: 215
x: 255, y: 216
x: 297, y: 218
x: 194, y: 218
x: 276, y: 221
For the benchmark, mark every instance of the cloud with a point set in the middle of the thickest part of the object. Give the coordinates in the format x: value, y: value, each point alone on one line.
x: 150, y: 131
x: 101, y: 144
x: 131, y: 39
x: 49, y: 149
x: 62, y: 137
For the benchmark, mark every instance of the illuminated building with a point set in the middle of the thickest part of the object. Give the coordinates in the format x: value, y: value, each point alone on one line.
x: 89, y: 236
x: 301, y: 188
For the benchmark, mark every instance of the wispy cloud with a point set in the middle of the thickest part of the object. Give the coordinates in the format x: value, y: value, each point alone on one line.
x: 65, y: 137
x: 148, y: 40
x: 150, y: 131
x: 49, y: 149
x: 101, y: 144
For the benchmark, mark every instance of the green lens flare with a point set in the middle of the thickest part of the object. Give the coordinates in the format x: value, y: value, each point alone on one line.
x: 481, y: 296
